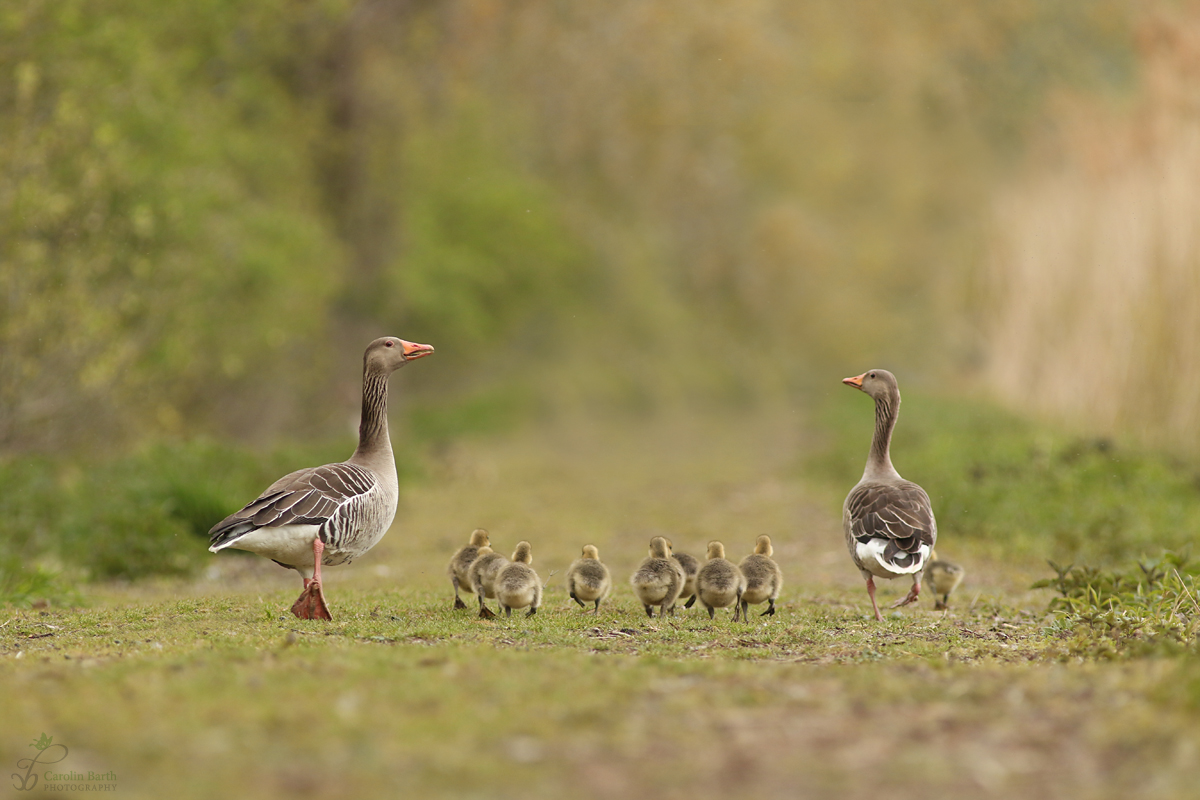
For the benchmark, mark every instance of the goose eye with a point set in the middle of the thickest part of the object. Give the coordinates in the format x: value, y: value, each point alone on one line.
x: 389, y: 343
x: 872, y: 374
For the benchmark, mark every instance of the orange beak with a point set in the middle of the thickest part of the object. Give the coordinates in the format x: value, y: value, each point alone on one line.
x: 414, y: 351
x: 856, y: 381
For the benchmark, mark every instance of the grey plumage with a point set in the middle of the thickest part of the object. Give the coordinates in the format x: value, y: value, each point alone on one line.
x: 764, y: 578
x: 944, y: 577
x: 658, y: 579
x: 888, y: 521
x: 460, y: 564
x: 719, y: 583
x: 335, y: 512
x: 483, y: 572
x: 588, y: 580
x: 690, y: 565
x: 517, y: 585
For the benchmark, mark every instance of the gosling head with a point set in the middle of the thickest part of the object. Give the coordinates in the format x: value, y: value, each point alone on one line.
x: 479, y: 538
x: 660, y: 547
x: 523, y: 553
x: 716, y: 550
x: 590, y: 551
x: 483, y: 551
x: 762, y: 546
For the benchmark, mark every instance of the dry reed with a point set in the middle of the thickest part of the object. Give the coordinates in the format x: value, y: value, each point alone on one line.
x: 1094, y: 282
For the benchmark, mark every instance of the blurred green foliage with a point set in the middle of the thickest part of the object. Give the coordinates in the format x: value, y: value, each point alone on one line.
x: 207, y: 209
x: 146, y: 513
x: 1006, y: 484
x: 205, y: 206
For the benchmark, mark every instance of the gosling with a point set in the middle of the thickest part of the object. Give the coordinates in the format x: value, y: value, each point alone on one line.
x: 484, y: 568
x: 719, y: 583
x: 764, y: 578
x: 944, y: 577
x: 588, y: 579
x: 659, y: 579
x: 517, y: 585
x: 460, y: 564
x: 691, y: 565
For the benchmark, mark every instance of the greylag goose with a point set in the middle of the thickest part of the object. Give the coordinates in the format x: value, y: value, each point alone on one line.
x: 690, y: 565
x: 944, y: 576
x: 658, y: 579
x: 764, y: 578
x: 483, y: 572
x: 517, y: 585
x: 888, y: 521
x: 460, y: 564
x: 588, y: 580
x: 719, y: 583
x: 332, y: 514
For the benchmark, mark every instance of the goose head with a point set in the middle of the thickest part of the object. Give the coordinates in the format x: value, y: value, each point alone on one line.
x: 590, y: 551
x: 388, y: 354
x: 762, y: 546
x: 878, y: 383
x: 479, y: 538
x: 716, y: 550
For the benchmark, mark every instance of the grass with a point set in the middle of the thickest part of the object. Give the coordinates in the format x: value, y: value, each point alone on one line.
x: 212, y: 696
x: 207, y: 687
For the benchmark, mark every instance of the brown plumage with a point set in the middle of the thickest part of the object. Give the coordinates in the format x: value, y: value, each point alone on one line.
x: 888, y: 521
x: 764, y: 578
x: 329, y: 515
x: 517, y: 585
x: 658, y: 580
x: 588, y: 580
x: 719, y: 583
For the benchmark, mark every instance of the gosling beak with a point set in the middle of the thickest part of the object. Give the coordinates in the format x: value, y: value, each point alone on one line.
x: 856, y: 381
x: 414, y: 351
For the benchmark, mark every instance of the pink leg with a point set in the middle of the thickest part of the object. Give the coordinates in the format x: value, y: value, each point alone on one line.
x: 912, y: 595
x: 311, y: 603
x: 871, y: 592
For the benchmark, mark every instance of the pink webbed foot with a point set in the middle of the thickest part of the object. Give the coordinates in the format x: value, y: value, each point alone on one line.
x: 311, y: 603
x: 911, y: 597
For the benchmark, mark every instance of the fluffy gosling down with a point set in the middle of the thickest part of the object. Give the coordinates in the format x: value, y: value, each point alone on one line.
x: 517, y: 585
x: 691, y: 565
x: 719, y: 583
x: 460, y: 565
x: 484, y: 568
x: 659, y: 579
x: 588, y: 580
x: 764, y: 578
x: 944, y: 576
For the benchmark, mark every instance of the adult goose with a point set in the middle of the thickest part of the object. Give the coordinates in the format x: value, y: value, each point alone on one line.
x: 330, y: 515
x: 888, y: 521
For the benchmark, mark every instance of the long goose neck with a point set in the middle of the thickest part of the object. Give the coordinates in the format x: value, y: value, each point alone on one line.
x: 374, y: 443
x: 879, y: 462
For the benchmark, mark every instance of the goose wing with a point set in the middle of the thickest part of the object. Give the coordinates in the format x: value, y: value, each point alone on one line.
x: 898, y: 515
x: 306, y: 497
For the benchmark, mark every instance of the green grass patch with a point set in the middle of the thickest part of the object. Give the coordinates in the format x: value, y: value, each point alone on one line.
x: 1010, y: 485
x: 401, y: 694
